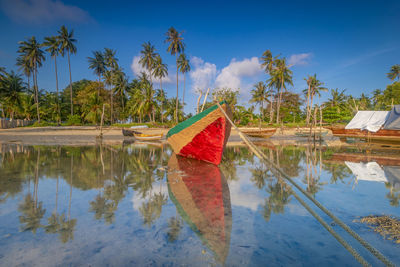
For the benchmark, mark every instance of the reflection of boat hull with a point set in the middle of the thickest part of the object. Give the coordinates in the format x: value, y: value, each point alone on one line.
x: 202, y: 136
x: 201, y: 195
x: 263, y: 133
x: 381, y: 134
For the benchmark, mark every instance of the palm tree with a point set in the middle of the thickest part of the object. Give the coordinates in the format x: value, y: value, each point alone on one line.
x: 337, y: 100
x: 184, y: 66
x: 394, y: 72
x: 315, y: 87
x: 25, y: 67
x: 53, y: 47
x: 97, y: 64
x: 175, y: 47
x: 258, y: 95
x: 120, y: 85
x: 280, y: 76
x: 147, y: 59
x: 160, y: 71
x: 67, y: 44
x: 31, y: 52
x: 11, y: 88
x: 111, y: 63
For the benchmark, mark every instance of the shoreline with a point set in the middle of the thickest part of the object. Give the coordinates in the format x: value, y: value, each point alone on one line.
x: 87, y: 135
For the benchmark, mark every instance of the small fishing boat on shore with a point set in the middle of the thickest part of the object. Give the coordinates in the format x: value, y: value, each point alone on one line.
x: 261, y: 133
x: 384, y: 125
x: 148, y: 137
x: 129, y: 132
x: 202, y: 136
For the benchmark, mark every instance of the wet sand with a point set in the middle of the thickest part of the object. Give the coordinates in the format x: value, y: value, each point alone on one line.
x: 88, y: 135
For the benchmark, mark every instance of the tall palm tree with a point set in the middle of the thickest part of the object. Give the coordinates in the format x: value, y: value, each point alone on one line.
x: 111, y: 64
x: 53, y: 47
x: 280, y: 76
x: 67, y: 43
x: 337, y: 99
x: 160, y: 71
x: 259, y: 96
x: 31, y: 52
x: 184, y: 66
x: 120, y: 85
x: 175, y: 47
x: 24, y: 66
x: 147, y: 58
x: 315, y: 87
x: 97, y: 64
x: 394, y: 72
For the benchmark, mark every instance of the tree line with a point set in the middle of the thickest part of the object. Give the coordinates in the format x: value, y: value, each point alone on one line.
x: 141, y: 101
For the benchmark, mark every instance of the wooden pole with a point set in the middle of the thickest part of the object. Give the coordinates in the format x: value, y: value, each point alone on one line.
x: 205, y: 99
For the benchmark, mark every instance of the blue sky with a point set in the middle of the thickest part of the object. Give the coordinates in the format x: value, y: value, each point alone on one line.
x: 349, y: 44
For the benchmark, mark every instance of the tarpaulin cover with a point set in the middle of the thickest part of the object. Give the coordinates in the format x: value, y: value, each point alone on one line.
x: 368, y: 120
x: 393, y: 119
x: 370, y: 171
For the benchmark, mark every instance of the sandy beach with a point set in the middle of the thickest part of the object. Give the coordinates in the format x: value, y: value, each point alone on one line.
x: 88, y: 135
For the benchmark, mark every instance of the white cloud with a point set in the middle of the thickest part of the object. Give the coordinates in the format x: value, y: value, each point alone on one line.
x: 203, y: 74
x: 137, y: 69
x: 232, y: 75
x: 42, y: 11
x: 299, y: 59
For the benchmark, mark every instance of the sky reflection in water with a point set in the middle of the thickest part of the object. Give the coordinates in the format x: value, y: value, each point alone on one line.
x: 142, y: 205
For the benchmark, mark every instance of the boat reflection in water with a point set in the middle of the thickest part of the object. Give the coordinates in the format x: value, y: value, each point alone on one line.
x: 201, y: 195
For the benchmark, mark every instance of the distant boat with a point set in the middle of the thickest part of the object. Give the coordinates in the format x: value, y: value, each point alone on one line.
x: 202, y: 136
x: 256, y: 132
x: 148, y: 137
x: 383, y: 125
x: 201, y: 195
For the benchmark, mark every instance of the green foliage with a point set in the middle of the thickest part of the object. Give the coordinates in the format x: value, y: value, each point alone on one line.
x: 73, y: 120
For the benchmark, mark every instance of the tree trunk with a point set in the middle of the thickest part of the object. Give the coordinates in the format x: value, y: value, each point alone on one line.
x: 162, y: 102
x: 278, y: 108
x: 112, y: 105
x: 198, y: 101
x: 36, y: 92
x: 58, y: 100
x: 184, y: 88
x: 271, y: 111
x: 70, y: 84
x: 308, y: 105
x: 177, y: 96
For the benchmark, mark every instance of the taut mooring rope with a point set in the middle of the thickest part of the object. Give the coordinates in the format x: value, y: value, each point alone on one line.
x: 358, y: 257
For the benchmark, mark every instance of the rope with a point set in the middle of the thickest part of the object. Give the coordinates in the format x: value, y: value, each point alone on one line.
x: 262, y: 156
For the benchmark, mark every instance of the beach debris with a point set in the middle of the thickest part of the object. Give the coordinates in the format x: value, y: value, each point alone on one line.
x: 386, y: 226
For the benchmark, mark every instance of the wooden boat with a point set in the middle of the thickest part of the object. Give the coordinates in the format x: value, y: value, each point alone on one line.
x: 129, y: 132
x: 201, y: 195
x: 262, y: 133
x: 147, y: 137
x: 202, y: 136
x: 382, y: 134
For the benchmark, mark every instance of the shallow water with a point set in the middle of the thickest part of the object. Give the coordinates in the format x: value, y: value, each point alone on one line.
x: 141, y: 205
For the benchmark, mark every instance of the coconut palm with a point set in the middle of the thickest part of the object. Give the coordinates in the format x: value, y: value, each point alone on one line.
x: 175, y: 47
x: 67, y: 44
x: 394, y: 72
x: 109, y: 57
x: 147, y: 58
x: 184, y: 67
x: 315, y: 87
x: 267, y: 61
x: 120, y: 83
x: 338, y: 100
x: 160, y: 71
x: 280, y: 76
x: 53, y: 47
x: 11, y: 88
x: 97, y: 64
x: 259, y: 96
x: 24, y: 66
x: 108, y: 81
x: 111, y: 64
x: 30, y: 51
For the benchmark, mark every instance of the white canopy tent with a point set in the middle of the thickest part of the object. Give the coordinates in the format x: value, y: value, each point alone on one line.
x: 368, y: 120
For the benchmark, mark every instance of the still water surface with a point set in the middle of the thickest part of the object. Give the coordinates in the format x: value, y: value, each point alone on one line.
x: 142, y: 205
